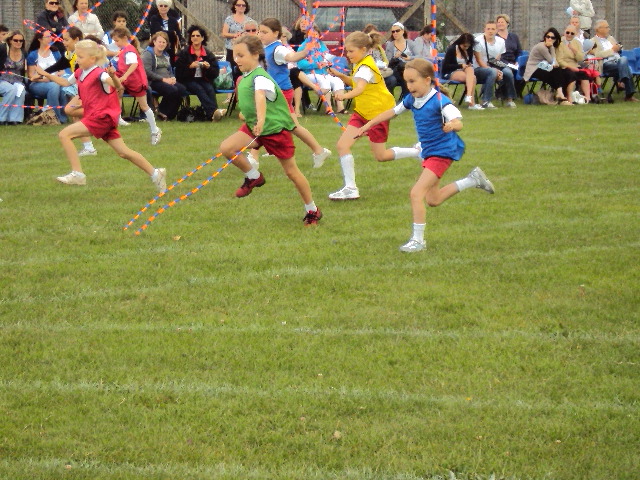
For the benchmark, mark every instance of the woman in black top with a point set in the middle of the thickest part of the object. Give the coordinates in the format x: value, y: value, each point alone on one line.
x: 167, y: 21
x: 458, y: 66
x: 53, y: 18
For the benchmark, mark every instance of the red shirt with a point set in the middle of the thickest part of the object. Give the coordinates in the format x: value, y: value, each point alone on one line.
x: 96, y: 102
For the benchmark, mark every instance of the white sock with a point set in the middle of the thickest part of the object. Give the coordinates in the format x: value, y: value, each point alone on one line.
x: 152, y: 120
x: 310, y: 207
x: 402, y: 152
x: 88, y: 145
x: 466, y: 182
x: 418, y: 231
x: 348, y: 170
x: 154, y: 175
x: 252, y: 174
x: 468, y: 99
x: 78, y: 174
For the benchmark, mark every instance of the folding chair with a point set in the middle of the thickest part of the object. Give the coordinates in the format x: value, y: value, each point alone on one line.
x: 223, y: 64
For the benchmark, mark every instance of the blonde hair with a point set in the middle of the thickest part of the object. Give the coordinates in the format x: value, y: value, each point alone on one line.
x: 360, y: 40
x: 505, y: 17
x: 159, y: 34
x: 94, y: 50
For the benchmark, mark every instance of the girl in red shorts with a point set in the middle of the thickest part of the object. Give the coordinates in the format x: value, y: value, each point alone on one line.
x: 268, y: 124
x: 97, y: 89
x: 372, y: 98
x: 133, y: 77
x: 437, y: 120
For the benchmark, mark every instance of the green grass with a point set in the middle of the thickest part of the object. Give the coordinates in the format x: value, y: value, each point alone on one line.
x: 229, y: 342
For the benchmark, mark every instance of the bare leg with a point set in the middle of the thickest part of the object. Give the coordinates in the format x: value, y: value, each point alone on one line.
x: 427, y: 188
x: 66, y: 136
x: 234, y: 143
x: 134, y: 157
x: 297, y: 177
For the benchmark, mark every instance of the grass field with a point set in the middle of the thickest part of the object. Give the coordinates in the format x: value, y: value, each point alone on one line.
x: 229, y: 342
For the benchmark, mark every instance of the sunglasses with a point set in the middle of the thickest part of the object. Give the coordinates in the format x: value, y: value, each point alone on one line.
x: 241, y: 5
x: 569, y: 33
x: 54, y: 3
x: 396, y: 31
x: 17, y: 40
x: 550, y: 37
x: 251, y: 30
x: 163, y: 6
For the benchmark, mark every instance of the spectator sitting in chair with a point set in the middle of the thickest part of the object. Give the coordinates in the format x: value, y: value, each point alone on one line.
x: 570, y: 55
x: 458, y: 66
x: 613, y: 64
x: 157, y: 65
x: 575, y: 21
x: 197, y: 68
x: 12, y: 82
x: 488, y: 49
x: 543, y: 65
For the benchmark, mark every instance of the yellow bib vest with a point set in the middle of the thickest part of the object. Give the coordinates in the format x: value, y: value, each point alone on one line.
x: 376, y: 98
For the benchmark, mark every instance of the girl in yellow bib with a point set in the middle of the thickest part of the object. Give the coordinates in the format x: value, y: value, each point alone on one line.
x: 373, y: 98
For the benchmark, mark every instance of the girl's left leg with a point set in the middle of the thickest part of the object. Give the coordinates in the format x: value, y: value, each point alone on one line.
x: 66, y: 136
x: 229, y: 148
x: 158, y: 175
x: 350, y: 189
x: 313, y: 214
x: 156, y: 133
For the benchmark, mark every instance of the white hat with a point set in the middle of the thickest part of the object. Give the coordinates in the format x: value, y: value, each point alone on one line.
x: 398, y: 24
x: 570, y: 11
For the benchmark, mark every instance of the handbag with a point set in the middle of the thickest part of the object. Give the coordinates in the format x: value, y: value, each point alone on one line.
x: 46, y: 117
x: 493, y: 62
x: 545, y: 97
x: 386, y: 72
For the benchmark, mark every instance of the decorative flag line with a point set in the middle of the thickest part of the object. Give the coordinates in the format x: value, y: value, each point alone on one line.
x: 434, y: 53
x: 37, y: 28
x: 81, y: 17
x: 189, y: 193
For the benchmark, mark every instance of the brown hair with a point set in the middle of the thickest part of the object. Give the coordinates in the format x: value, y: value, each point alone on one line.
x: 273, y: 24
x: 125, y: 33
x: 426, y: 70
x: 253, y: 43
x: 233, y: 6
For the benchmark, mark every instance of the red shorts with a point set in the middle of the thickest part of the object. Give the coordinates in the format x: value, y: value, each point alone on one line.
x: 377, y: 134
x: 288, y: 94
x: 101, y: 127
x: 278, y: 144
x: 135, y: 90
x: 437, y: 165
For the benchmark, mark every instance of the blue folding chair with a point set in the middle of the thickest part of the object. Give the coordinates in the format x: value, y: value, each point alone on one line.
x: 223, y: 64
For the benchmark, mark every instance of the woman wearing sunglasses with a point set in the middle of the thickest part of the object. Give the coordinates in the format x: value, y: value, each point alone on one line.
x: 52, y: 17
x: 543, y: 64
x: 168, y: 21
x: 570, y: 55
x: 12, y: 82
x: 399, y: 50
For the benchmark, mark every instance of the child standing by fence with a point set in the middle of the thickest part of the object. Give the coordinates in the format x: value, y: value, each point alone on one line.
x: 268, y: 124
x: 437, y: 122
x: 101, y: 111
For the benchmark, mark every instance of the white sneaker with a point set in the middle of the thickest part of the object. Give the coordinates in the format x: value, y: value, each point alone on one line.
x: 468, y: 99
x: 477, y: 106
x: 488, y: 105
x: 85, y: 152
x: 319, y: 158
x: 481, y: 179
x: 511, y: 104
x: 159, y: 179
x: 155, y: 137
x: 345, y: 193
x: 122, y: 123
x: 413, y: 246
x: 218, y: 114
x: 73, y: 178
x: 254, y: 163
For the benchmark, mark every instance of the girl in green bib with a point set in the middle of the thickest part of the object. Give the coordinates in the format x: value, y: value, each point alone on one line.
x: 268, y: 123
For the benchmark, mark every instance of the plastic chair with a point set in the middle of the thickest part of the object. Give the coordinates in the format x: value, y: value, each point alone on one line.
x: 223, y: 64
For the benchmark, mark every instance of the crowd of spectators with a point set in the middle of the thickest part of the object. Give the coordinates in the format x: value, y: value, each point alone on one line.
x: 176, y: 66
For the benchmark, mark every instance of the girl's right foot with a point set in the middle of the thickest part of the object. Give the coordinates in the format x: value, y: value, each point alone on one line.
x: 413, y: 246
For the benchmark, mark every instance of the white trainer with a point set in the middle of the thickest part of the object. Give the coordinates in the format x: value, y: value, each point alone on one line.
x: 488, y: 105
x: 319, y: 158
x: 155, y: 137
x: 254, y: 163
x: 87, y: 152
x: 73, y: 178
x: 481, y: 179
x: 159, y: 179
x: 345, y: 193
x: 477, y: 106
x: 122, y: 123
x: 413, y: 246
x: 511, y: 104
x: 218, y: 114
x: 468, y: 98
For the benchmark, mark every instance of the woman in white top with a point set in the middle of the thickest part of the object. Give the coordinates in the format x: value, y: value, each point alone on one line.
x: 43, y: 56
x: 88, y: 23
